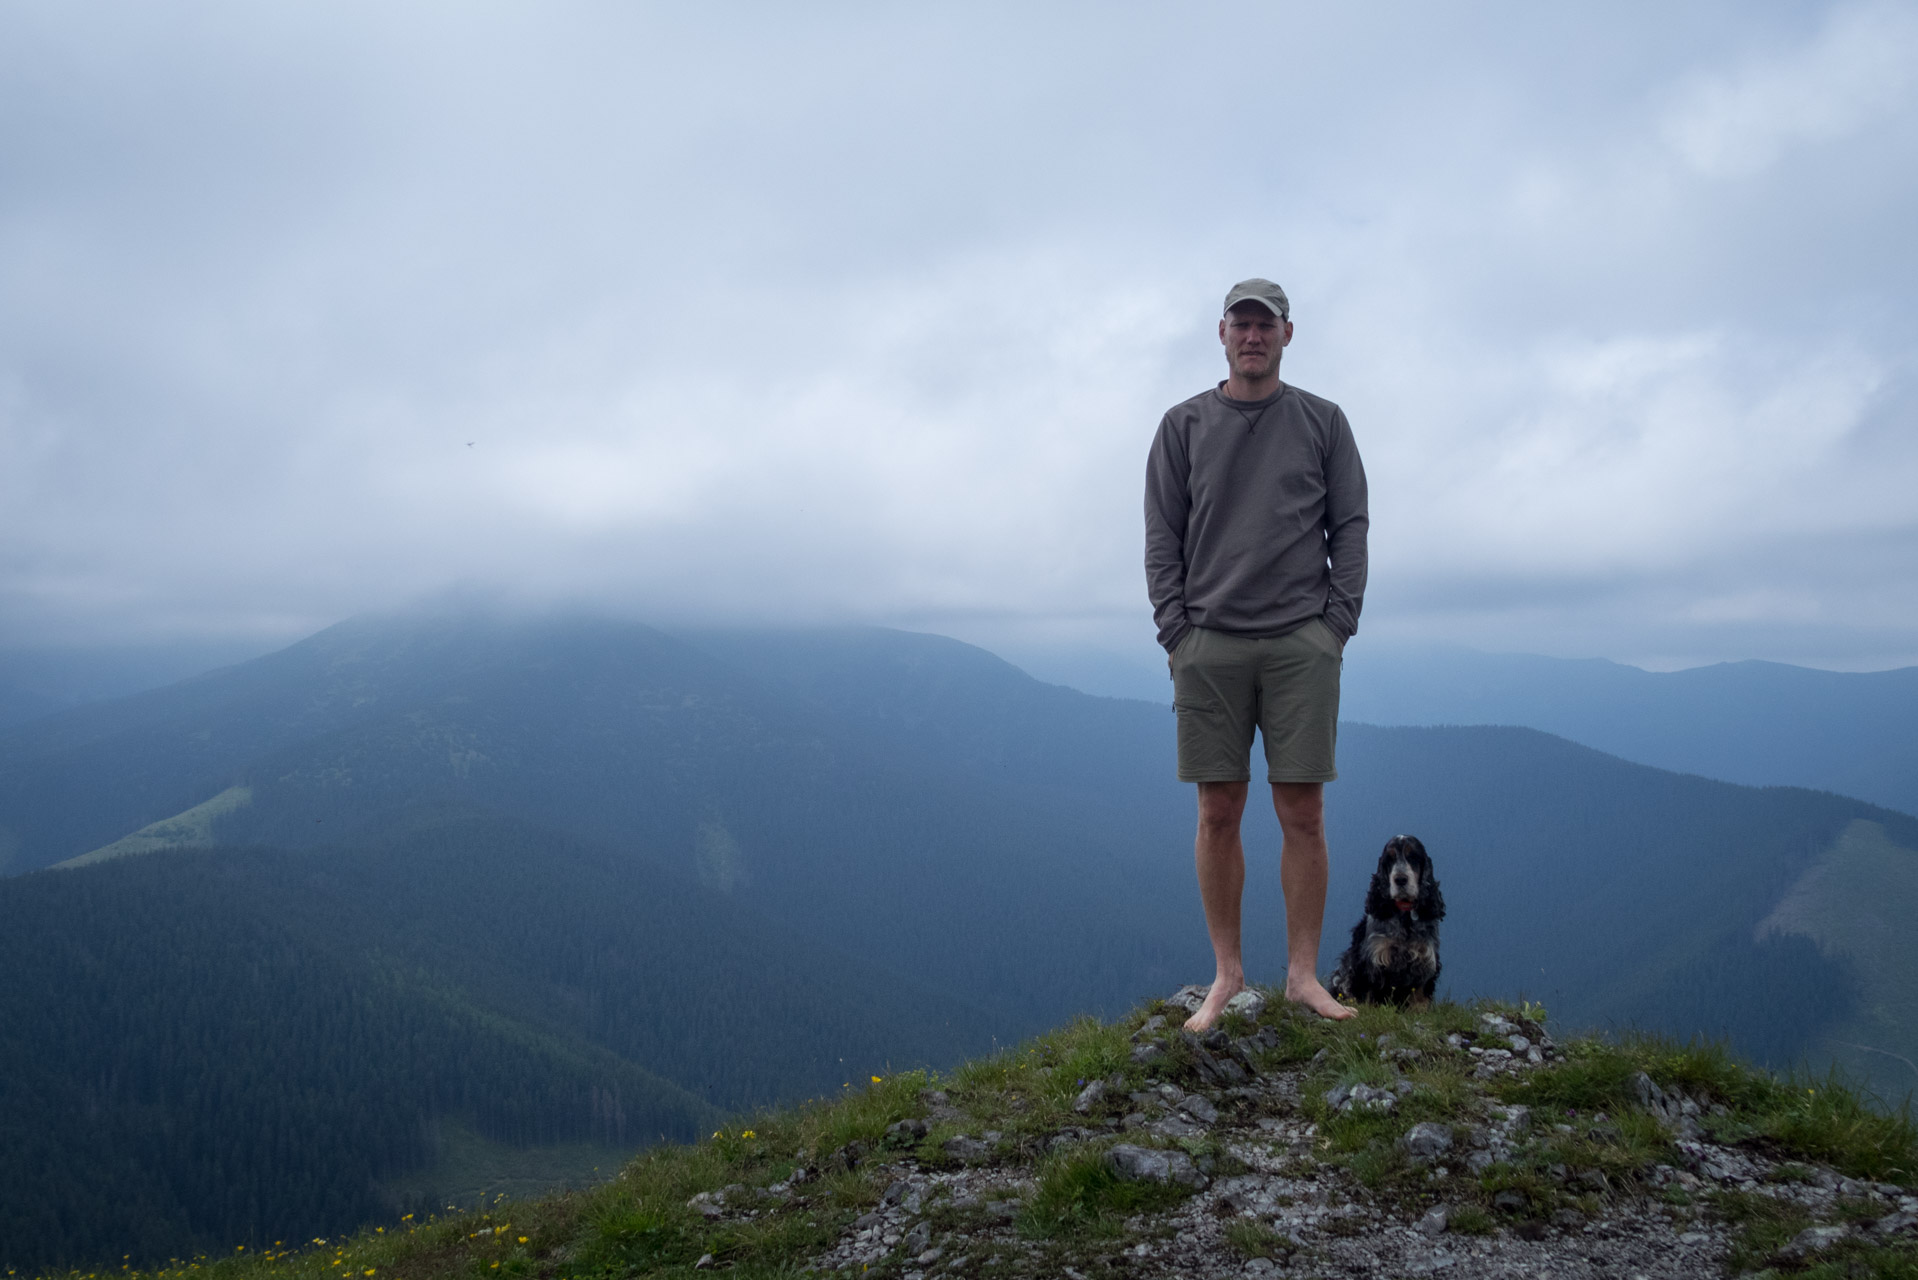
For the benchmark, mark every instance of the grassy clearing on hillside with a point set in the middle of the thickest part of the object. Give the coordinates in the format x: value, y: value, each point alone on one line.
x: 1072, y: 1207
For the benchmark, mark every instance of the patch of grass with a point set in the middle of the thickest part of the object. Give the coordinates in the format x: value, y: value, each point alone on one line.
x: 1077, y: 1194
x: 1253, y: 1239
x: 1828, y: 1122
x: 1639, y: 1142
x: 1541, y: 1194
x: 1832, y: 1123
x: 1855, y: 1260
x: 1471, y: 1220
x: 1764, y: 1225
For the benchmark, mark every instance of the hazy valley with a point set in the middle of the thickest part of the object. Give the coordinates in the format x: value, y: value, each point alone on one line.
x: 451, y: 887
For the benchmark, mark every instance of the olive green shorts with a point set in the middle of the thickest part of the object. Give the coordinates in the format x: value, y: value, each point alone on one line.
x: 1287, y: 687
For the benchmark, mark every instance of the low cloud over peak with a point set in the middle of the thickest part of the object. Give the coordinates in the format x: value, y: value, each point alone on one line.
x: 809, y: 316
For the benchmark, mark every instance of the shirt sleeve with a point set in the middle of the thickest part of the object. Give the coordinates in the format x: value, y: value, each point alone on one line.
x: 1168, y: 501
x: 1347, y: 523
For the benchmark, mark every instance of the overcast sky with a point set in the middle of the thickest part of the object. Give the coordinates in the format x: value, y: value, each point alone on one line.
x: 868, y: 312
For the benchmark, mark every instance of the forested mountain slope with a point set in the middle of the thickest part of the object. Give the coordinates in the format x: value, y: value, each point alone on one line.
x: 242, y: 1045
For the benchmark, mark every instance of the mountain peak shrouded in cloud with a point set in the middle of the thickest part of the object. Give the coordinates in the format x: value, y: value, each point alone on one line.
x: 817, y: 317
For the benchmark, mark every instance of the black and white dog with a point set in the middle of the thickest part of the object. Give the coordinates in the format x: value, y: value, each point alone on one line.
x: 1394, y: 956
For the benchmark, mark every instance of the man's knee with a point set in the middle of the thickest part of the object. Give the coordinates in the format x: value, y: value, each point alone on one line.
x: 1221, y: 805
x: 1301, y: 808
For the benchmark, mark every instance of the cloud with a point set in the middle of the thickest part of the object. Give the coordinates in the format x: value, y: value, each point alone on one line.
x: 869, y: 315
x: 1737, y: 121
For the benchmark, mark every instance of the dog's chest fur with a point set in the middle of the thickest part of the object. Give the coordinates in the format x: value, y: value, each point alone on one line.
x: 1400, y: 948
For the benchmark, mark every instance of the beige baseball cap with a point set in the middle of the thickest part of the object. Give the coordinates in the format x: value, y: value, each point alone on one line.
x: 1263, y: 292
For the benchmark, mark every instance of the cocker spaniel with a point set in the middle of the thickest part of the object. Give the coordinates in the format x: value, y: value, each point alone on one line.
x: 1394, y: 956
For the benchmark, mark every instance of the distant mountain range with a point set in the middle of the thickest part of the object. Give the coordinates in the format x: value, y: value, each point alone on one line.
x: 1758, y: 723
x: 587, y: 853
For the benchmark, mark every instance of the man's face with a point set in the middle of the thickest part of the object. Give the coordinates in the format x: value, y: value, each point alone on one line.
x: 1253, y: 339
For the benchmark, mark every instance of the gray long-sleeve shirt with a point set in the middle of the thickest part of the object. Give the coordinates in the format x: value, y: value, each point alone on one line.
x: 1246, y: 501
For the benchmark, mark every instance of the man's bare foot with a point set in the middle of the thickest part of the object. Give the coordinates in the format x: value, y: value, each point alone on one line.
x: 1223, y: 989
x: 1309, y: 992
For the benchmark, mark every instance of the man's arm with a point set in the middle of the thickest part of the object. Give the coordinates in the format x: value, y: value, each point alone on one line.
x: 1346, y: 524
x: 1168, y: 501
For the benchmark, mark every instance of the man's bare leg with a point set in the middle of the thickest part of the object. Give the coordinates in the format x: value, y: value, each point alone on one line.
x: 1221, y: 862
x: 1303, y: 875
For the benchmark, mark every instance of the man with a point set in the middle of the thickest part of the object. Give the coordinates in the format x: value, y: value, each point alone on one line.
x: 1255, y: 527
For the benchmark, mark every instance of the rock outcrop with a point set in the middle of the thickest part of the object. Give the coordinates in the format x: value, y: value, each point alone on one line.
x: 1238, y: 1153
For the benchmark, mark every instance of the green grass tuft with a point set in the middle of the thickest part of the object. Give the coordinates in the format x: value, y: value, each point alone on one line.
x: 1254, y: 1239
x: 1471, y: 1220
x: 1077, y: 1194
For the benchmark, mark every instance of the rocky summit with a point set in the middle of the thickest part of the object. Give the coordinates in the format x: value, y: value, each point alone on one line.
x: 1451, y: 1140
x: 1452, y: 1143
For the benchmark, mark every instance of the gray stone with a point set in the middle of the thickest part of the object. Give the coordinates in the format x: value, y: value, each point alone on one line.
x: 1479, y: 1161
x: 1150, y: 1025
x: 706, y: 1262
x: 919, y: 1239
x: 1813, y: 1240
x: 1362, y: 1097
x: 1148, y: 1054
x: 1508, y: 1202
x: 1649, y: 1095
x: 930, y: 1256
x: 1089, y: 1097
x: 1199, y: 1108
x: 1231, y: 1072
x: 707, y: 1205
x: 1435, y: 1221
x: 1146, y: 1164
x: 1896, y: 1224
x: 1426, y: 1141
x: 1520, y: 1044
x: 1568, y: 1219
x: 1249, y: 1002
x: 966, y: 1149
x: 1176, y: 1126
x: 907, y: 1131
x: 1188, y: 997
x: 1495, y: 1025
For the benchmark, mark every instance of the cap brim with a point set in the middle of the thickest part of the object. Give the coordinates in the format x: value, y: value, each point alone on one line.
x: 1277, y: 311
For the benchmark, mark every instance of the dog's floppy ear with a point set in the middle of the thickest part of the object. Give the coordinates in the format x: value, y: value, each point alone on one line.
x: 1431, y: 903
x: 1378, y: 897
